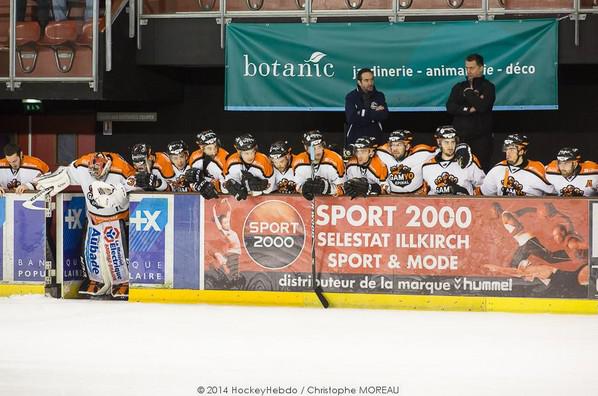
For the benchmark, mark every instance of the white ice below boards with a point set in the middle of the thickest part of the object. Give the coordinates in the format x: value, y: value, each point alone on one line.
x: 174, y: 349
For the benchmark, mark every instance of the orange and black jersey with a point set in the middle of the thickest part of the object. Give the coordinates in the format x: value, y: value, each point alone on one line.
x: 118, y: 174
x: 31, y: 167
x: 260, y: 167
x: 527, y: 179
x: 215, y: 165
x: 331, y: 168
x: 375, y: 171
x: 583, y: 182
x: 405, y: 175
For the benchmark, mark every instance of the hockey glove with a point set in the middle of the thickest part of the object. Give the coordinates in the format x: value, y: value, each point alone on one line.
x: 147, y: 181
x: 194, y: 175
x: 206, y: 189
x: 236, y: 189
x: 317, y: 186
x: 253, y: 182
x: 463, y: 155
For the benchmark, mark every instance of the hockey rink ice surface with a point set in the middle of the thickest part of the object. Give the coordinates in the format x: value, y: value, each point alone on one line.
x: 62, y: 347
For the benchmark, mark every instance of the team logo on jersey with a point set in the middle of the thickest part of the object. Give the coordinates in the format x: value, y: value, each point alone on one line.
x: 14, y: 183
x: 589, y: 183
x: 449, y: 184
x: 179, y: 184
x: 513, y: 187
x: 401, y: 175
x: 286, y: 186
x: 571, y: 191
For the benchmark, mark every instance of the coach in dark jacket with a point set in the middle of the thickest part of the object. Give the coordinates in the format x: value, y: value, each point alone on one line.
x: 471, y: 103
x: 365, y: 109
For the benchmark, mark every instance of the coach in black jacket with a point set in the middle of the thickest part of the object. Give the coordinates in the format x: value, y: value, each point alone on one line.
x: 471, y: 103
x: 365, y: 109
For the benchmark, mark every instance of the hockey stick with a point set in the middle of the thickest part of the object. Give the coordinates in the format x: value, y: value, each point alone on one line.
x: 317, y: 288
x: 29, y: 204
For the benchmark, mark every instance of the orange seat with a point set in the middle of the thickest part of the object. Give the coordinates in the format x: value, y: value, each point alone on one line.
x: 62, y: 32
x: 27, y: 33
x: 86, y: 36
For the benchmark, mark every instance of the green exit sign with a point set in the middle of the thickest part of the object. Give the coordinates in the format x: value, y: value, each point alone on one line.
x: 32, y: 105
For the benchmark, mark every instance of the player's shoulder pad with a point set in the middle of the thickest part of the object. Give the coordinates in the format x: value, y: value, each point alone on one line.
x: 262, y: 162
x: 221, y: 157
x: 422, y: 147
x: 84, y: 160
x: 537, y: 168
x: 431, y: 161
x: 378, y: 168
x: 163, y: 165
x: 120, y: 166
x: 195, y: 156
x: 553, y: 168
x: 4, y: 163
x: 588, y: 168
x: 233, y: 158
x: 300, y: 159
x: 34, y: 163
x: 334, y: 159
x: 383, y: 149
x: 352, y: 161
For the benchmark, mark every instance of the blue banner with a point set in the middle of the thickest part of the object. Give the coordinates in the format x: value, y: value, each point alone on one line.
x: 29, y: 243
x: 72, y: 234
x: 187, y: 237
x: 147, y: 232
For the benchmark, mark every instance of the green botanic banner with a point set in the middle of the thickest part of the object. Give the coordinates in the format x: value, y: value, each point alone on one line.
x: 298, y: 67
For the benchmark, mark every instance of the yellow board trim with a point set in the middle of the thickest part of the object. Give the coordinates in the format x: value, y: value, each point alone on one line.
x: 371, y: 301
x: 9, y: 290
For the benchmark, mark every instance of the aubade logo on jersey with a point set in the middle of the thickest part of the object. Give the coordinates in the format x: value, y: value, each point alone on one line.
x: 93, y: 249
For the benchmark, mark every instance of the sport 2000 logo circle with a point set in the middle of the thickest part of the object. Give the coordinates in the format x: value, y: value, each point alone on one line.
x: 274, y: 234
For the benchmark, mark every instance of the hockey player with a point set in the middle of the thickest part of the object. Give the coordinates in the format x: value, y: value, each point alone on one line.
x: 570, y: 176
x: 366, y: 173
x: 248, y: 171
x: 282, y: 159
x: 210, y: 157
x: 153, y: 170
x: 103, y: 178
x: 186, y: 178
x: 178, y: 154
x: 327, y: 167
x: 17, y: 170
x: 454, y: 170
x: 404, y: 162
x: 516, y: 175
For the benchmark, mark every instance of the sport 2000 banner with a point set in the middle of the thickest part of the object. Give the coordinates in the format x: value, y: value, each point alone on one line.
x: 486, y: 247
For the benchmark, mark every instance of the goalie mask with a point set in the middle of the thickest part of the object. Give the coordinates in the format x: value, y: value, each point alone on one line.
x: 99, y: 166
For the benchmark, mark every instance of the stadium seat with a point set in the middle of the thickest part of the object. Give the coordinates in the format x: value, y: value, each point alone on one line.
x: 61, y: 37
x: 27, y: 34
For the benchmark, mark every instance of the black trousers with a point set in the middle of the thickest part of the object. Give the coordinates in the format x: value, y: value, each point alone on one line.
x: 43, y: 12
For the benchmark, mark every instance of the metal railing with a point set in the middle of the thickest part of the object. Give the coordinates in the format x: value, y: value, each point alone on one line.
x: 15, y: 76
x: 396, y: 13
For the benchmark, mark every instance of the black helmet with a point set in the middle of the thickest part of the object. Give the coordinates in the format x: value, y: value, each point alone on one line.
x: 401, y: 135
x: 446, y: 132
x: 312, y: 138
x: 207, y: 137
x: 568, y: 154
x: 515, y: 139
x: 140, y: 152
x: 245, y: 142
x: 177, y: 147
x: 364, y: 142
x: 279, y: 149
